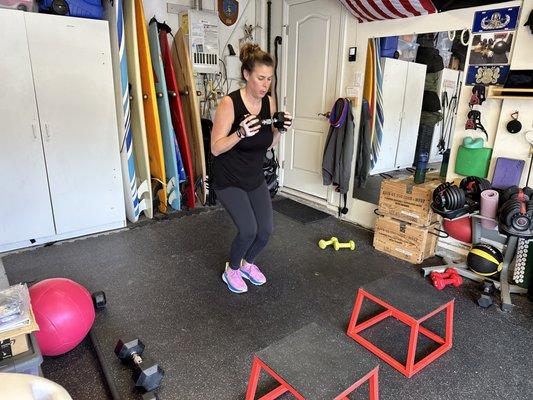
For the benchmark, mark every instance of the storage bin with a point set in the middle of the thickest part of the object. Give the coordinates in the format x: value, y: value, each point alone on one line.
x: 446, y: 57
x: 28, y: 362
x: 407, y: 51
x: 23, y: 5
x: 389, y: 47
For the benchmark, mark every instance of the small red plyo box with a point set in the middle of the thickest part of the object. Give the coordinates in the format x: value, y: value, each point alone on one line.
x: 411, y: 302
x: 317, y: 362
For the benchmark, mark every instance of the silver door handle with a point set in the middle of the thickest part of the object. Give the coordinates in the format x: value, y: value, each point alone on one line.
x: 47, y: 131
x: 325, y: 115
x: 34, y: 131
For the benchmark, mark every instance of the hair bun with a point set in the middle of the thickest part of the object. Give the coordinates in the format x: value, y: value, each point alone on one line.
x: 247, y: 50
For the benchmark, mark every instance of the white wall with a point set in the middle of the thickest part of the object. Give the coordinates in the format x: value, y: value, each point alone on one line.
x: 506, y: 144
x: 250, y: 12
x: 523, y: 58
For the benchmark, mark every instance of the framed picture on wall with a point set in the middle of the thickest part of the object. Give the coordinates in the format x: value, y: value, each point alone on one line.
x: 491, y: 48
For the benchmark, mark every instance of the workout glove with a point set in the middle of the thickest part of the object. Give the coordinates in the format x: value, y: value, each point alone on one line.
x: 249, y: 126
x: 288, y: 120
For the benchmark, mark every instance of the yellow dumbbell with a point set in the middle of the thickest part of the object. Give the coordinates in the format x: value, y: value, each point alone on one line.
x: 350, y: 245
x: 325, y: 243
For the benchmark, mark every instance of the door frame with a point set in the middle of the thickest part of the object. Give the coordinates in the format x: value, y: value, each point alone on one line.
x: 283, y: 95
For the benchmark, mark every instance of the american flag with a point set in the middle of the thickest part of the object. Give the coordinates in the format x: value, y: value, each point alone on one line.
x: 376, y: 10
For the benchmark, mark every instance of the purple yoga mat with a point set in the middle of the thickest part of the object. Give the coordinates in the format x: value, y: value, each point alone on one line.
x: 507, y: 173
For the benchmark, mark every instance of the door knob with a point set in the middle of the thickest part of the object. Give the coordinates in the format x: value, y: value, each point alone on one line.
x: 325, y: 115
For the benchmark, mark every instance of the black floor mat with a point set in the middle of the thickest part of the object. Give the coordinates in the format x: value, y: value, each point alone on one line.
x: 163, y: 285
x: 298, y: 212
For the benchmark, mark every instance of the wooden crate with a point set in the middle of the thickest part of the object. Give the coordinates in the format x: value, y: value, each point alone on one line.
x: 403, y: 240
x: 404, y: 200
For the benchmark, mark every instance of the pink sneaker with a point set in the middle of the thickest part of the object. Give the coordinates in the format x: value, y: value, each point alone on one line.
x: 234, y: 280
x: 252, y: 273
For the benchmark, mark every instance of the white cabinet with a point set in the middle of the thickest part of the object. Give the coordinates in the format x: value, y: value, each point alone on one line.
x: 25, y: 208
x: 59, y: 152
x: 403, y: 92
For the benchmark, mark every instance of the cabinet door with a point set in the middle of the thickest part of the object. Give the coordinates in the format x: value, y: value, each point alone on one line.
x: 73, y: 77
x: 394, y: 76
x: 412, y: 108
x: 25, y: 209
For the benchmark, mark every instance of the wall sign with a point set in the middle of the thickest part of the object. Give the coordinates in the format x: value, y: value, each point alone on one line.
x: 490, y: 51
x: 501, y: 19
x: 228, y: 11
x: 487, y: 74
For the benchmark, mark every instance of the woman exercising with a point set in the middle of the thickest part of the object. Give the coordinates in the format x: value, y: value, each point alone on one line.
x: 239, y: 142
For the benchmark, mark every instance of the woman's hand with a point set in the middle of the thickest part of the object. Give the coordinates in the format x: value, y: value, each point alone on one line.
x: 288, y: 120
x: 249, y: 126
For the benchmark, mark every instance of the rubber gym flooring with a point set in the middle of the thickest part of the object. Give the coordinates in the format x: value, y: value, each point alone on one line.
x: 163, y: 285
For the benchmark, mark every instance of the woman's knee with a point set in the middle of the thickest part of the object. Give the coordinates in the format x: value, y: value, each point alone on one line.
x: 248, y: 233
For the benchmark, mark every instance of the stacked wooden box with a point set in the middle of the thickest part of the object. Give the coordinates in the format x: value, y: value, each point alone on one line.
x: 407, y: 226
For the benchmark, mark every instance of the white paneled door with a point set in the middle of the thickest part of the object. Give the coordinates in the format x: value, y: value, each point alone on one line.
x: 73, y: 78
x: 25, y: 208
x: 310, y: 87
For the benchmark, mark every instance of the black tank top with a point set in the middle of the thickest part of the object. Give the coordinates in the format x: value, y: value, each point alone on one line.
x: 242, y: 165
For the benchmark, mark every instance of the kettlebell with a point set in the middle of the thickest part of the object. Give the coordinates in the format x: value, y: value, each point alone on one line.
x: 514, y: 126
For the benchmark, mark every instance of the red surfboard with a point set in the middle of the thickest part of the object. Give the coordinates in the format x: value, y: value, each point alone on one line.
x: 176, y: 111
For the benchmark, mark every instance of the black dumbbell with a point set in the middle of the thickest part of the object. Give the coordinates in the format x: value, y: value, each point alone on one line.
x: 485, y: 300
x: 146, y: 374
x: 150, y: 396
x: 278, y: 120
x: 99, y: 300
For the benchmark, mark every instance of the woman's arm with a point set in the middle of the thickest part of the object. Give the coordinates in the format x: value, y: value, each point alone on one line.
x: 220, y: 140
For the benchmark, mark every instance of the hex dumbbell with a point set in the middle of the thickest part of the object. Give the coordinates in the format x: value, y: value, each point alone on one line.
x: 325, y: 243
x: 485, y: 299
x: 349, y: 245
x: 99, y: 300
x: 146, y: 374
x: 449, y: 277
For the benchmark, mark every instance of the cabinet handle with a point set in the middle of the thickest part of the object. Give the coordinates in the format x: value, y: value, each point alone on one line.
x: 34, y: 131
x: 47, y: 130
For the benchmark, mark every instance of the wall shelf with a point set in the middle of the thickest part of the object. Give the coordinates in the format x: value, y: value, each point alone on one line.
x: 498, y: 92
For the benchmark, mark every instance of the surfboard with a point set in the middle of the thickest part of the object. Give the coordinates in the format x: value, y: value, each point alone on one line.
x: 191, y: 109
x: 113, y: 13
x: 151, y: 114
x: 368, y: 88
x: 176, y: 109
x: 138, y: 128
x: 167, y: 130
x: 377, y: 136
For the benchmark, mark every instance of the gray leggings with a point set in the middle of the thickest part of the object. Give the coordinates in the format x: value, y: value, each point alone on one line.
x: 252, y: 214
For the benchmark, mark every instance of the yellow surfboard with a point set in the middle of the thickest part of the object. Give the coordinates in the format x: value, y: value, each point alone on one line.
x: 368, y: 89
x: 151, y: 115
x: 191, y: 110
